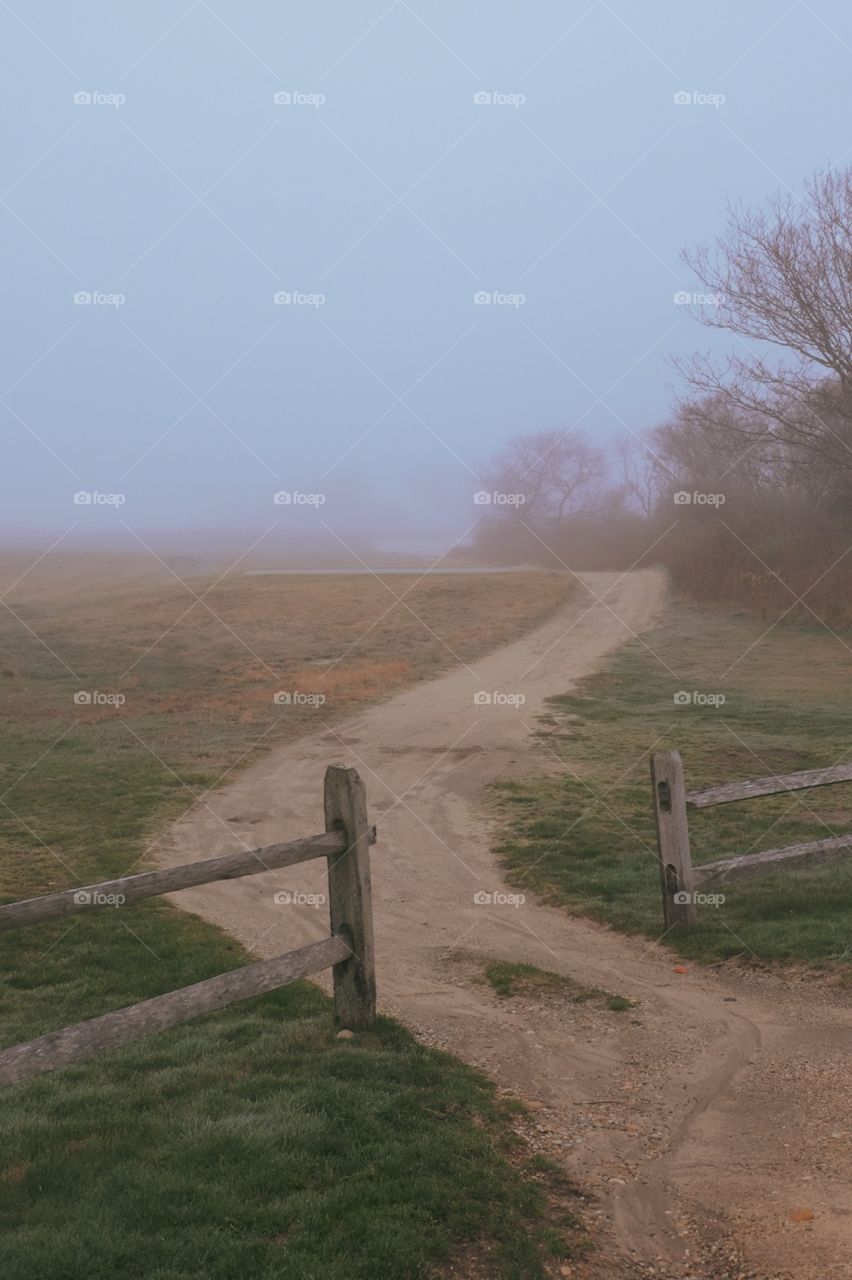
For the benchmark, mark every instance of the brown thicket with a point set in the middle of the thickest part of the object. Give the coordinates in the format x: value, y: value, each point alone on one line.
x: 761, y: 443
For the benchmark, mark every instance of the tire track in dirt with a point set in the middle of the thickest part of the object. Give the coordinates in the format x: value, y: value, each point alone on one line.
x: 695, y: 1127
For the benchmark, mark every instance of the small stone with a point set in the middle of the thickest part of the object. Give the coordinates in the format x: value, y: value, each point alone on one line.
x: 345, y: 1035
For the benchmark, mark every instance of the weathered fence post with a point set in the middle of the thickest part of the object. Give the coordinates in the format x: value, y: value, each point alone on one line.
x: 673, y: 837
x: 350, y: 898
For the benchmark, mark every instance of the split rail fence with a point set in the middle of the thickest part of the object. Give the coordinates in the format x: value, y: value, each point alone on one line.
x: 680, y: 879
x: 348, y: 951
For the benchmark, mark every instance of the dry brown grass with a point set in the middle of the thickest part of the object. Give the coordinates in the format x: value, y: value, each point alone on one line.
x: 199, y: 675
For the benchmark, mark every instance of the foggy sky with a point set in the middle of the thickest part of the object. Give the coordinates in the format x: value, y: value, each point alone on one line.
x: 397, y: 198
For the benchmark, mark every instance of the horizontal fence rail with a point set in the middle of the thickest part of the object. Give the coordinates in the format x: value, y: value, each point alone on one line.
x: 746, y: 866
x: 85, y: 1039
x: 730, y: 791
x: 671, y: 800
x: 149, y: 884
x: 348, y: 951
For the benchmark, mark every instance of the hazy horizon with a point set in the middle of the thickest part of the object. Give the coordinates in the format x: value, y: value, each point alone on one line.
x: 395, y: 200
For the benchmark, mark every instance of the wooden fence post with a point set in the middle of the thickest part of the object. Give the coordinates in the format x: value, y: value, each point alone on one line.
x: 673, y: 837
x: 350, y: 898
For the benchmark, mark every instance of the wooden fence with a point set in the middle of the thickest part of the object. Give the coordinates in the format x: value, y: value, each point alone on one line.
x: 348, y: 950
x: 680, y: 878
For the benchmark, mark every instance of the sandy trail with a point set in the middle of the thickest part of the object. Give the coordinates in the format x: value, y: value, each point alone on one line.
x: 699, y: 1124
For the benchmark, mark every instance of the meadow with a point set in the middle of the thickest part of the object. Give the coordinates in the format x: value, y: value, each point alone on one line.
x: 251, y: 1142
x: 584, y: 836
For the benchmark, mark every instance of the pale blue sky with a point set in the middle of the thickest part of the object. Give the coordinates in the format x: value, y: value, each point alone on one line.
x: 397, y: 198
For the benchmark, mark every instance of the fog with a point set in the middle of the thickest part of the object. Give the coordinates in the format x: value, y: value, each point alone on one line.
x: 151, y: 174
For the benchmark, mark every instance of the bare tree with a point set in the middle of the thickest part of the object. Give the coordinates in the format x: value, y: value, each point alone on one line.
x: 559, y: 475
x: 644, y: 475
x: 783, y: 276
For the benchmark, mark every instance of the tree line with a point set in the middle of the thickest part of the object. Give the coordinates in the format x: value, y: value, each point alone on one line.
x: 745, y: 491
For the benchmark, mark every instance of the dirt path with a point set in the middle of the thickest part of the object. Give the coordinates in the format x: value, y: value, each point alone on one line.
x: 701, y: 1124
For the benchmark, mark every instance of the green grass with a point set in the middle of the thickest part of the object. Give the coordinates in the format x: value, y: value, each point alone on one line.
x: 585, y: 839
x: 253, y: 1143
x: 508, y: 978
x: 250, y: 1143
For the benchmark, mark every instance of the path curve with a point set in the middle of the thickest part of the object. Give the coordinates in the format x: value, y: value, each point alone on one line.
x: 700, y: 1126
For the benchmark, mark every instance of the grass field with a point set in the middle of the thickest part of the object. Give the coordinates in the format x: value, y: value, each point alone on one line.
x: 586, y: 838
x: 199, y: 687
x: 252, y: 1142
